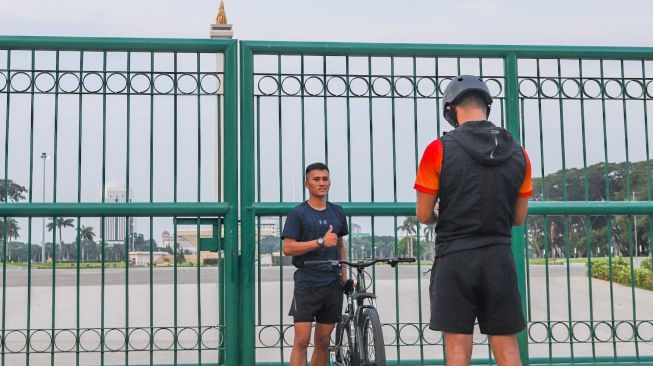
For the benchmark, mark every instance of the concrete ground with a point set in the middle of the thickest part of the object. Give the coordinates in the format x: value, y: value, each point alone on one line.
x: 402, y: 298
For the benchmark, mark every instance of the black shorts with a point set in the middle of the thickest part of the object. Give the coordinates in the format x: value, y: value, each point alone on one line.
x: 479, y: 283
x: 317, y: 304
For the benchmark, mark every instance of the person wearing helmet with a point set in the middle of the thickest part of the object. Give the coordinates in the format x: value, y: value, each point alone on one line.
x: 479, y: 180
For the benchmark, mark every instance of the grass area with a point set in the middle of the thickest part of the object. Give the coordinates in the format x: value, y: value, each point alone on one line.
x: 558, y: 261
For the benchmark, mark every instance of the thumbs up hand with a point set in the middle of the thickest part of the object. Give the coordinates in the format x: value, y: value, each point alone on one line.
x: 330, y: 239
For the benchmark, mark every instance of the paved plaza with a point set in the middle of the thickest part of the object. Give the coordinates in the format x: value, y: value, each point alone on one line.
x: 405, y: 290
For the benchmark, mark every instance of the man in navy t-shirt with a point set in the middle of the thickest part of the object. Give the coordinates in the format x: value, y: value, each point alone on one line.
x: 314, y: 230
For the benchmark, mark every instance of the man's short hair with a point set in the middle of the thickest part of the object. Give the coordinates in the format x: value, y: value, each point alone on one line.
x: 472, y: 99
x: 316, y: 166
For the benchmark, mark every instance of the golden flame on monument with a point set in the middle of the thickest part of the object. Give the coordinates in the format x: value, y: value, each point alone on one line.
x: 222, y: 16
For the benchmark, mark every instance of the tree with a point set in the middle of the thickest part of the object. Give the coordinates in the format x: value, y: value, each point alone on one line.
x: 10, y: 191
x: 86, y: 234
x: 60, y: 223
x: 410, y: 228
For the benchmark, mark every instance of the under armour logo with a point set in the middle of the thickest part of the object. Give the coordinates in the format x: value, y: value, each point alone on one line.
x: 322, y: 222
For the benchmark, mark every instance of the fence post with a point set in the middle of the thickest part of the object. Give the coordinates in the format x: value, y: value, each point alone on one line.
x: 512, y: 125
x: 231, y: 264
x: 248, y: 236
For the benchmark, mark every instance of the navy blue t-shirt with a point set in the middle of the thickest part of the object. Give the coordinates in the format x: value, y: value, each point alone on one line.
x: 304, y: 223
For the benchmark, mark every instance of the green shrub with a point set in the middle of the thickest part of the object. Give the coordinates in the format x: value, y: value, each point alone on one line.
x: 621, y: 272
x: 644, y: 278
x: 646, y: 263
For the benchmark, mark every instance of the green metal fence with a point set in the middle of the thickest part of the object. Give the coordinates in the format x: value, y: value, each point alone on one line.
x: 131, y: 135
x: 369, y: 110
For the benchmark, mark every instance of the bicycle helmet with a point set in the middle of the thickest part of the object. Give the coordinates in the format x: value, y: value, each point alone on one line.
x: 458, y: 87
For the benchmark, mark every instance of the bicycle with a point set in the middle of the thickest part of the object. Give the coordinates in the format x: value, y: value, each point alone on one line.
x: 359, y: 337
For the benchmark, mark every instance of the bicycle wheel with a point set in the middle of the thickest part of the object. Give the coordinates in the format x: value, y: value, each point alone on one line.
x: 373, y: 344
x: 345, y: 354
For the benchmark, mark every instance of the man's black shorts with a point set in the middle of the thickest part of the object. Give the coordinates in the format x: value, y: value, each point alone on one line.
x: 479, y: 283
x: 317, y: 304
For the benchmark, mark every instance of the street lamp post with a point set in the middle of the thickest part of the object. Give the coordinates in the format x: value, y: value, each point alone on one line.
x: 44, y: 156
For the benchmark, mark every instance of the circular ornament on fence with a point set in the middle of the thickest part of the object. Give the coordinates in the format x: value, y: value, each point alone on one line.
x: 431, y: 337
x: 495, y: 86
x: 119, y: 340
x: 41, y: 337
x: 92, y: 82
x: 603, y: 331
x: 625, y: 331
x: 187, y: 84
x: 43, y: 82
x: 613, y: 88
x: 389, y: 334
x: 291, y: 85
x: 592, y: 88
x: 358, y: 86
x: 314, y: 86
x: 139, y: 339
x: 527, y: 88
x: 550, y: 88
x: 117, y: 83
x: 3, y: 81
x: 65, y: 340
x: 269, y: 336
x: 268, y: 85
x: 635, y: 89
x: 381, y: 86
x: 164, y: 84
x: 409, y: 334
x: 571, y: 88
x: 188, y: 338
x: 426, y: 87
x: 140, y: 83
x: 645, y: 331
x: 15, y: 341
x: 560, y: 332
x: 212, y: 338
x: 538, y: 332
x: 90, y: 340
x: 404, y: 86
x: 20, y: 82
x: 164, y: 339
x: 582, y: 332
x: 336, y: 86
x: 210, y: 83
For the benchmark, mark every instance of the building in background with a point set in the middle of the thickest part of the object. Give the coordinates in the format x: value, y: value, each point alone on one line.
x: 117, y: 228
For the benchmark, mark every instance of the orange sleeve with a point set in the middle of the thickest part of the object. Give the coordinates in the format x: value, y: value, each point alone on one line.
x: 526, y: 189
x: 428, y: 174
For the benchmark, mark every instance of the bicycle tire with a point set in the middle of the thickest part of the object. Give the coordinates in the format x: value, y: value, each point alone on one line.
x: 372, y: 337
x: 346, y: 354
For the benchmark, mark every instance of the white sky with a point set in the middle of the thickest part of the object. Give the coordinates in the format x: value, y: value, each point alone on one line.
x: 553, y: 22
x: 581, y: 22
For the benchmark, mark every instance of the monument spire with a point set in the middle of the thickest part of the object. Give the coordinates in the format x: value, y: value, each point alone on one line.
x: 222, y: 15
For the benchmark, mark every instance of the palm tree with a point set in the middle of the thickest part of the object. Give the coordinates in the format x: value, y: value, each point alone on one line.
x: 60, y: 223
x: 429, y: 233
x: 410, y: 228
x: 12, y: 228
x: 12, y: 231
x: 86, y: 233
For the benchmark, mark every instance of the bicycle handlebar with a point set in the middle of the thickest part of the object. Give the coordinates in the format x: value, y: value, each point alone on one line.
x: 360, y: 264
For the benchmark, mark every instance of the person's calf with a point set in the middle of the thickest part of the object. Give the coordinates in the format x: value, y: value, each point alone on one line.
x: 505, y: 349
x: 458, y: 348
x: 300, y: 344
